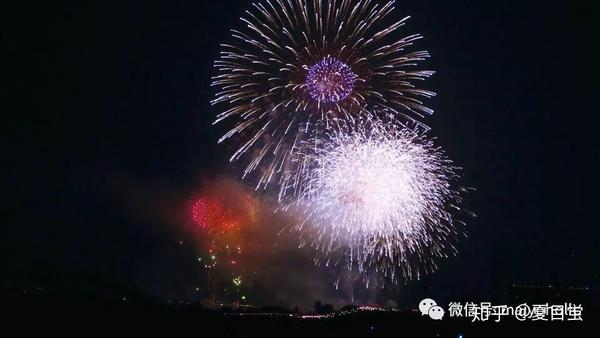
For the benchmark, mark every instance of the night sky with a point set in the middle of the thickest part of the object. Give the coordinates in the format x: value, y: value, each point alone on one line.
x: 109, y: 127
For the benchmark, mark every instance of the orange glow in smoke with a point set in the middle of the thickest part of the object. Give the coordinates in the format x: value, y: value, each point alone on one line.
x: 216, y: 214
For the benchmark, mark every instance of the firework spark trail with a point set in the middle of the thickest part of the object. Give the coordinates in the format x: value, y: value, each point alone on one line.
x: 299, y: 64
x: 380, y: 193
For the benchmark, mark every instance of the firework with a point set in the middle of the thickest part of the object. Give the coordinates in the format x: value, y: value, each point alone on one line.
x: 298, y: 64
x: 209, y: 212
x: 380, y: 193
x: 226, y: 215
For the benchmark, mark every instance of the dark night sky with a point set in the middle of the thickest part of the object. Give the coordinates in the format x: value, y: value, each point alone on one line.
x: 121, y: 89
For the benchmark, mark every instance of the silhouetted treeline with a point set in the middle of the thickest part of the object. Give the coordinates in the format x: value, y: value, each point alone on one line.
x: 32, y: 309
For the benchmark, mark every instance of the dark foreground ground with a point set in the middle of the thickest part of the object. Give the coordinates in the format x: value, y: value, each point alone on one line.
x: 34, y: 312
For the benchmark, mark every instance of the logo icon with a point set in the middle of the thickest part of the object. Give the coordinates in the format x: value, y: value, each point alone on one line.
x: 429, y: 307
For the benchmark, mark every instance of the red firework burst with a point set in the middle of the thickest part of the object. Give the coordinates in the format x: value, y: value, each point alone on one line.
x: 209, y: 212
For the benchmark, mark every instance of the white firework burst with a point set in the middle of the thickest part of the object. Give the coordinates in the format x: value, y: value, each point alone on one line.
x: 381, y: 193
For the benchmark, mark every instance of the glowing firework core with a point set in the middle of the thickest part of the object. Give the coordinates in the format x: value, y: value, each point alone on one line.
x: 330, y: 80
x: 375, y: 185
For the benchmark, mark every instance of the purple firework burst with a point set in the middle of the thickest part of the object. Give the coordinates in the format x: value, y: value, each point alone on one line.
x: 330, y: 80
